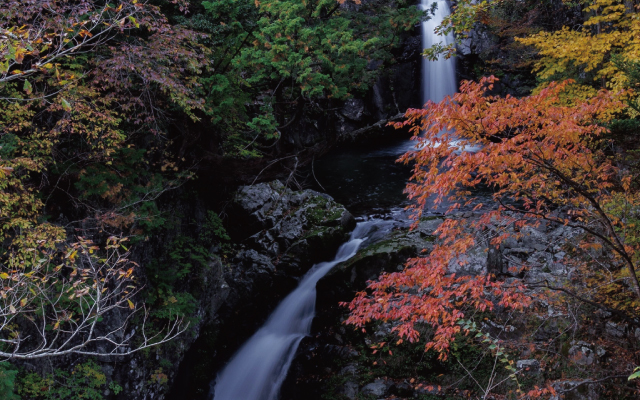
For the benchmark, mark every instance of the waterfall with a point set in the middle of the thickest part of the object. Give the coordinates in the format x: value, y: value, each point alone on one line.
x: 438, y: 77
x: 258, y: 369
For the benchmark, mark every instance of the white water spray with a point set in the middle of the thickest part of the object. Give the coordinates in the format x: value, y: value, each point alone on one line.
x: 257, y: 371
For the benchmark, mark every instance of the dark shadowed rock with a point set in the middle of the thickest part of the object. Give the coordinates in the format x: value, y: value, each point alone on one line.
x: 349, y: 390
x: 353, y: 109
x: 294, y: 228
x: 495, y: 262
x: 575, y: 390
x: 378, y: 388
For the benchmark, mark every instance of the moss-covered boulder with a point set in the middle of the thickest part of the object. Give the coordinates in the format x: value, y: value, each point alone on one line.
x: 387, y: 255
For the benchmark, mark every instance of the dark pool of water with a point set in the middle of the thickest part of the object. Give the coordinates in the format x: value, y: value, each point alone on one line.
x: 369, y: 181
x: 365, y: 179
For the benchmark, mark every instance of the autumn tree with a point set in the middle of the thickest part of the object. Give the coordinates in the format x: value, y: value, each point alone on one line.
x: 593, y: 53
x: 82, y: 302
x: 102, y: 108
x: 542, y: 161
x: 61, y: 122
x: 36, y: 35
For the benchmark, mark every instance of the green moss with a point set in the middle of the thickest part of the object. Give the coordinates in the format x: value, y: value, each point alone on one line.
x: 318, y: 232
x: 322, y: 211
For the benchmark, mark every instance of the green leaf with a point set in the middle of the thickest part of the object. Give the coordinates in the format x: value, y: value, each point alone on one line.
x: 66, y: 105
x: 28, y: 89
x: 134, y: 22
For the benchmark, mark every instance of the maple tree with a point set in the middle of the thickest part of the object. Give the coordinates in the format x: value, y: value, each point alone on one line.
x: 38, y: 33
x: 564, y: 156
x: 543, y: 161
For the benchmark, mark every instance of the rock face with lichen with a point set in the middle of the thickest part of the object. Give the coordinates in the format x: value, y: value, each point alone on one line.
x: 293, y: 228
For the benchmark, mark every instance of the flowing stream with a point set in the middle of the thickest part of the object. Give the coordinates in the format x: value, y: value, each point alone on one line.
x: 257, y: 370
x: 366, y: 179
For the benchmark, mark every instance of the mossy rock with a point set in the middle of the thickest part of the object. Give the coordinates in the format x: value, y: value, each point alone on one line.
x: 387, y: 255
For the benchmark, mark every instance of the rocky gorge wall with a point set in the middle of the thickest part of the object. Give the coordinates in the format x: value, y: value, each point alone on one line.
x: 281, y: 233
x: 279, y: 243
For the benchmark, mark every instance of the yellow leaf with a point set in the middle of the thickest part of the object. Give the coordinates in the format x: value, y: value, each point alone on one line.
x: 131, y: 305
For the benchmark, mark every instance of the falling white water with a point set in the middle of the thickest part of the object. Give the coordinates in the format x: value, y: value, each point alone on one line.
x: 438, y: 77
x: 258, y: 369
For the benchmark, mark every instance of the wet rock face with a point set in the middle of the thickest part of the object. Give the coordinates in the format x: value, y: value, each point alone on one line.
x: 388, y: 251
x: 388, y: 254
x: 353, y: 109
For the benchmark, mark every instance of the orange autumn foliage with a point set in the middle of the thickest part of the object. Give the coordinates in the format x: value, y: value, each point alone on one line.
x: 541, y: 160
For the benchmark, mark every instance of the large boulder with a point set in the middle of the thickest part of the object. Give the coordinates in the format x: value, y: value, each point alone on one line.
x: 294, y: 228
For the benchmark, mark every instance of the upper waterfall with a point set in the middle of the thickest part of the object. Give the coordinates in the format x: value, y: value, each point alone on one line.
x: 438, y: 77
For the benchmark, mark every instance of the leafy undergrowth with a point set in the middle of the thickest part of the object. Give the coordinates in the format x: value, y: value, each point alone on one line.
x: 485, y: 361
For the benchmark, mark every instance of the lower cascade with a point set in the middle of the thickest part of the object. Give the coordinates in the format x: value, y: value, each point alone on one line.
x: 258, y: 369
